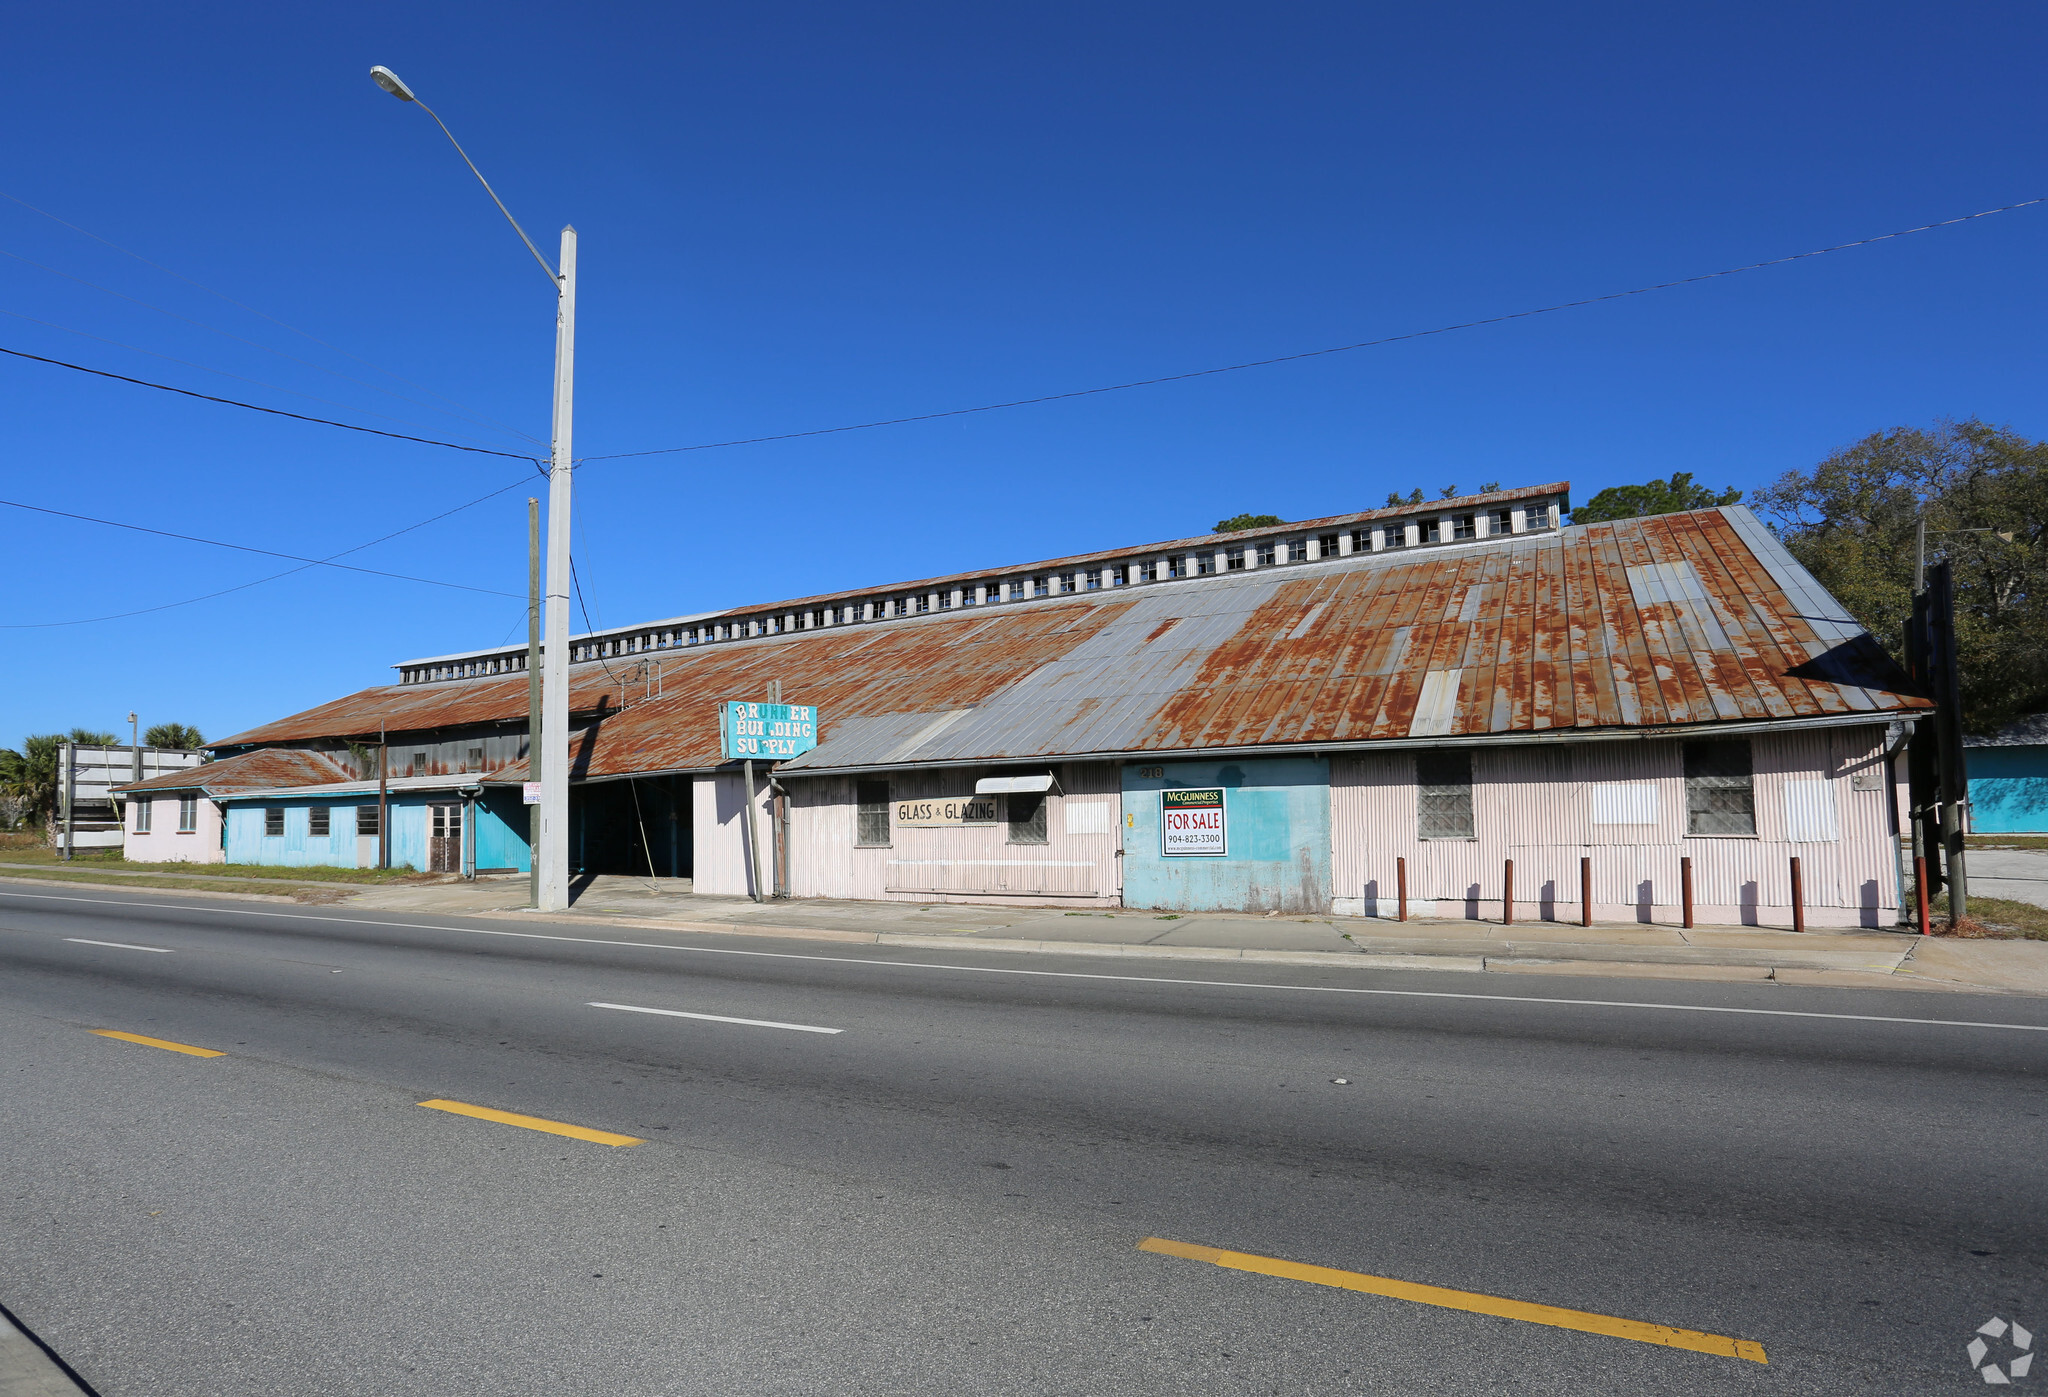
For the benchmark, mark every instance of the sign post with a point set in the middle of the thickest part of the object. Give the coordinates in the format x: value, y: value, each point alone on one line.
x: 773, y: 731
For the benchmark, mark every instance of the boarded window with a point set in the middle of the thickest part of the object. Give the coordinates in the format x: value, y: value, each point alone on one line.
x: 142, y: 813
x: 366, y: 819
x: 1718, y: 798
x: 188, y: 814
x: 1443, y: 788
x: 872, y: 823
x: 273, y: 822
x: 316, y: 822
x: 1027, y: 817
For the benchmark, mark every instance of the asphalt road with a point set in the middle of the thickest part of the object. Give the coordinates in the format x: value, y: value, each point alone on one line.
x: 947, y: 1195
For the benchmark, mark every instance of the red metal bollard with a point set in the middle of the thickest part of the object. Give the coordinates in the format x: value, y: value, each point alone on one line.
x: 1920, y: 890
x: 1507, y: 896
x: 1401, y: 883
x: 1585, y: 892
x: 1798, y: 898
x: 1685, y: 889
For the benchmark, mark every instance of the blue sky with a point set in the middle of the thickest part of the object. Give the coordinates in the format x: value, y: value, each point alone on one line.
x: 803, y: 216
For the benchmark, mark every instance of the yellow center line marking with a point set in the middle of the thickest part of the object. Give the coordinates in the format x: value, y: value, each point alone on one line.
x: 578, y: 1132
x: 163, y: 1043
x: 1639, y: 1330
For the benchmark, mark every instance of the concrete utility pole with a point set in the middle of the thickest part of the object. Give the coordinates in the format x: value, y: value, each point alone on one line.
x: 533, y: 693
x: 551, y: 850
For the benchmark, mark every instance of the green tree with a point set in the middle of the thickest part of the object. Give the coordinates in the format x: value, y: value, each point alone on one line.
x: 28, y: 776
x: 1984, y: 491
x: 1247, y: 521
x: 1652, y: 497
x: 1395, y: 498
x: 88, y: 737
x: 182, y: 736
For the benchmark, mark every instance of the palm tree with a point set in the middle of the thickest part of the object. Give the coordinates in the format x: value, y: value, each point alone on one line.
x: 29, y: 777
x: 182, y: 737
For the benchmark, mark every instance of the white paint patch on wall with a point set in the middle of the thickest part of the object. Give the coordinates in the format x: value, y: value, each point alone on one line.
x: 1810, y: 812
x: 1089, y: 816
x: 1624, y: 803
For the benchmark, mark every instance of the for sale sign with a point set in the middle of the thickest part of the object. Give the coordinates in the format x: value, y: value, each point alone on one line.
x: 1191, y: 823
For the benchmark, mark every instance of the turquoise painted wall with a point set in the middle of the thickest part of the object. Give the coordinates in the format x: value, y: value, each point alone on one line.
x: 2008, y: 790
x: 1277, y: 815
x: 501, y: 832
x: 295, y: 848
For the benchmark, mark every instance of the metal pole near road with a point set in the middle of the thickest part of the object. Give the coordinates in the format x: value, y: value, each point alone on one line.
x: 551, y: 849
x: 533, y: 695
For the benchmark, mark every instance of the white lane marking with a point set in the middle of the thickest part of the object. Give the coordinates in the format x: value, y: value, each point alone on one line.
x: 716, y: 1018
x: 1041, y: 974
x: 120, y: 945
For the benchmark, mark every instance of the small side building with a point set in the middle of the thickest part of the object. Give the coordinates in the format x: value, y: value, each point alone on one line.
x: 2009, y: 778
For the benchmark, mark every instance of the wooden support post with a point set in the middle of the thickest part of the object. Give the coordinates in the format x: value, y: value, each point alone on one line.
x: 1507, y: 895
x: 1585, y: 892
x: 1920, y: 890
x: 1685, y: 890
x: 1401, y: 884
x: 1798, y: 898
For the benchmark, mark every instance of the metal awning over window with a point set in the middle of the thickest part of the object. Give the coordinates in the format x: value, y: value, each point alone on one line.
x: 1013, y: 785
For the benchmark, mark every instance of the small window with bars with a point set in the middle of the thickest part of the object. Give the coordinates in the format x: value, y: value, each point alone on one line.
x: 1177, y: 566
x: 1503, y: 522
x: 1443, y: 795
x: 1094, y: 577
x: 924, y: 602
x: 316, y: 822
x: 418, y: 766
x: 1027, y: 817
x: 1268, y: 554
x: 273, y: 822
x: 1326, y: 545
x: 1205, y: 563
x: 1361, y: 540
x: 366, y: 820
x: 1719, y: 798
x: 1041, y: 586
x: 1463, y: 527
x: 1233, y: 559
x: 871, y: 820
x: 1397, y: 535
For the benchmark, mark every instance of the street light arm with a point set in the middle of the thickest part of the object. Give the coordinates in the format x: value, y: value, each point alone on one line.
x: 552, y: 276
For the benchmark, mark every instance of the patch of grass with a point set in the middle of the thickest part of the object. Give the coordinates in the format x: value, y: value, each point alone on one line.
x: 221, y: 885
x: 2005, y: 841
x: 1997, y: 918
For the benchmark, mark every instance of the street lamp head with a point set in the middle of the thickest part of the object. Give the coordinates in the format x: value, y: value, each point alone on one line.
x: 391, y: 83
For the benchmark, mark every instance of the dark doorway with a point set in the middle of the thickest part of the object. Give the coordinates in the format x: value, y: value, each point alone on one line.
x: 631, y: 826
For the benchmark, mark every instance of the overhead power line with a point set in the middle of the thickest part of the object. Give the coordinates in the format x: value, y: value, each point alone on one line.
x: 258, y: 582
x: 1319, y: 353
x: 273, y: 411
x: 467, y: 413
x: 266, y: 552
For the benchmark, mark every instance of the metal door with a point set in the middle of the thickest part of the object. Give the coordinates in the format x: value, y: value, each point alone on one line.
x: 444, y: 839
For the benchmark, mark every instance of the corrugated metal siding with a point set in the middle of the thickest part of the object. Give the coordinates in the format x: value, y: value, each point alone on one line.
x: 1074, y: 867
x: 295, y: 848
x: 1674, y: 620
x: 1535, y: 806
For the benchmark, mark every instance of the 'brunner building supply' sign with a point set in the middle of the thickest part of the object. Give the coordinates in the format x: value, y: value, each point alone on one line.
x: 770, y: 731
x: 942, y: 814
x: 1192, y: 823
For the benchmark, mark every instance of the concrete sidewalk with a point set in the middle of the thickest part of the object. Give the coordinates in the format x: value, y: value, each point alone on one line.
x: 1864, y: 959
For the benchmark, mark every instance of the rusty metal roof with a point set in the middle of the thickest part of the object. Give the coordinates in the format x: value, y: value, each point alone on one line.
x: 1672, y: 621
x: 257, y: 770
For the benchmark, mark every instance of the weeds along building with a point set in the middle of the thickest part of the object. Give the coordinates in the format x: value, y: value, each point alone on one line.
x: 1298, y: 719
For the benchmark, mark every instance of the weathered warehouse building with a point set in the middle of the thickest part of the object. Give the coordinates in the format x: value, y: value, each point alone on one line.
x: 1426, y: 692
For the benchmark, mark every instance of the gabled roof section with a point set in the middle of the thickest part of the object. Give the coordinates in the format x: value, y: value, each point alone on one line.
x: 1680, y: 621
x: 258, y: 770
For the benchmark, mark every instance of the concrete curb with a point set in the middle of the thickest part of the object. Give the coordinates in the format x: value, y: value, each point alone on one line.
x: 28, y: 1368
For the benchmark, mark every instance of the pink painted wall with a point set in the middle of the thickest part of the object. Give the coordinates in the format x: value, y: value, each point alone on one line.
x: 1536, y: 805
x: 163, y: 843
x: 1076, y: 867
